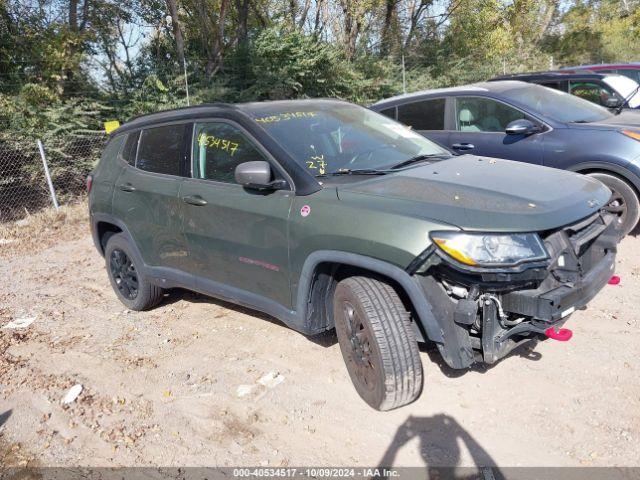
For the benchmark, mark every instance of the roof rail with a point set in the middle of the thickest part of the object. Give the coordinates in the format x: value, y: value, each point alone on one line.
x: 177, y: 109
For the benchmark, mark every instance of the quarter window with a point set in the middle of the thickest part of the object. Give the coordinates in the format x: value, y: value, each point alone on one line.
x: 218, y: 148
x: 484, y: 115
x: 160, y: 150
x: 131, y: 148
x: 423, y: 115
x: 389, y: 112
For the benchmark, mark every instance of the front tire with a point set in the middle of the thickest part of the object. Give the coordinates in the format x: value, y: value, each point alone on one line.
x: 131, y: 286
x: 624, y: 202
x: 377, y: 342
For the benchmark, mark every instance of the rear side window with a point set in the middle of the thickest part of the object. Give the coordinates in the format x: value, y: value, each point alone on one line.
x: 423, y: 115
x: 161, y: 150
x: 554, y: 85
x: 389, y: 112
x: 218, y: 148
x: 130, y: 148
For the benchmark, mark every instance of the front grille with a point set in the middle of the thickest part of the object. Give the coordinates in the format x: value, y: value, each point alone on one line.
x: 575, y: 249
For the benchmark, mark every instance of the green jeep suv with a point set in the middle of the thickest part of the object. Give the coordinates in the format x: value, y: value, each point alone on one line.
x: 324, y: 214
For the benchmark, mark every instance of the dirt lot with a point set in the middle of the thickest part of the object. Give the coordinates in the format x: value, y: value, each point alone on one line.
x: 179, y: 385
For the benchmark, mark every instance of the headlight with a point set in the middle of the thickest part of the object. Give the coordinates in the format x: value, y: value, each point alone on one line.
x: 631, y: 133
x: 488, y: 249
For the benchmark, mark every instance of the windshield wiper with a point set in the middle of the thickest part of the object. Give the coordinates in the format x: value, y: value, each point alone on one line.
x: 620, y: 107
x: 420, y: 158
x: 353, y: 171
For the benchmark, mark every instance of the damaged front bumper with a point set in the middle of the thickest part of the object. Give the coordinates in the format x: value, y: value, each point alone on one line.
x: 484, y: 314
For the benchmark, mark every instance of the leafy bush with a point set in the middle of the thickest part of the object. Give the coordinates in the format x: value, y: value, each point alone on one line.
x: 38, y: 95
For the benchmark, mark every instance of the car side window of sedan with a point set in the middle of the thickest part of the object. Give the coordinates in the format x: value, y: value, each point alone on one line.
x: 555, y: 85
x: 592, y: 91
x: 476, y: 114
x: 424, y: 114
x: 218, y: 148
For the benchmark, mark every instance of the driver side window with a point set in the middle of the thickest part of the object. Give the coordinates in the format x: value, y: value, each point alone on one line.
x: 218, y: 148
x: 474, y: 114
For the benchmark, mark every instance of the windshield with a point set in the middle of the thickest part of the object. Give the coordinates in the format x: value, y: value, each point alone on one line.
x: 327, y: 138
x: 626, y: 87
x: 559, y: 106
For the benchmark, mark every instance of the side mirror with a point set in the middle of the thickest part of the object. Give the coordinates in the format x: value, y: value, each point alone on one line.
x: 522, y: 127
x: 257, y: 175
x: 613, y: 102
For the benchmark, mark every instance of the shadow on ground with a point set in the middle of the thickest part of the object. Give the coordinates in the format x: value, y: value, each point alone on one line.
x: 4, y: 417
x: 440, y: 438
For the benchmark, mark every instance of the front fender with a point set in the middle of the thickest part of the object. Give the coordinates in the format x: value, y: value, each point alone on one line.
x: 412, y: 288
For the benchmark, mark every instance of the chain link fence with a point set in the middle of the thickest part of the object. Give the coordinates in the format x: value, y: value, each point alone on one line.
x: 23, y: 180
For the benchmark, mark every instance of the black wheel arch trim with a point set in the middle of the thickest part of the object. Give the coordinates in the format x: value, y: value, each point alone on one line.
x: 410, y: 285
x: 97, y: 218
x: 606, y: 167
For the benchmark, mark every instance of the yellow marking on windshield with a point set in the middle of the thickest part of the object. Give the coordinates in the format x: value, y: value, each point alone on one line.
x: 279, y: 117
x: 317, y: 163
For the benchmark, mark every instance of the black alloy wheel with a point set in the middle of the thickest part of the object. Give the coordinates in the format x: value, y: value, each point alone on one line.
x: 361, y: 346
x: 124, y: 274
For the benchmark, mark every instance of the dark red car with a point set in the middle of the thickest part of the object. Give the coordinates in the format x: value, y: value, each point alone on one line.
x: 631, y: 70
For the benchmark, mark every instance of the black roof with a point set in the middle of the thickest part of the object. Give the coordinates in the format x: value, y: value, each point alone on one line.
x: 230, y: 110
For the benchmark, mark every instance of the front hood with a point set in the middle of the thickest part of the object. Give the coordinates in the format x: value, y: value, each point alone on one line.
x: 626, y: 118
x: 480, y: 193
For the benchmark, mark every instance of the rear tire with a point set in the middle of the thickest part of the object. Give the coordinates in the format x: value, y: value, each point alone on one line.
x: 624, y: 202
x: 377, y: 342
x: 131, y: 286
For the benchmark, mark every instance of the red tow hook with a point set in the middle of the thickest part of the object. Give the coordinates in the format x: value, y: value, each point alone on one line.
x: 615, y: 280
x: 562, y: 335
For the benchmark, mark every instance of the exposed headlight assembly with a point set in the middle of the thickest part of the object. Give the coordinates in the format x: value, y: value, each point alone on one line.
x: 489, y: 249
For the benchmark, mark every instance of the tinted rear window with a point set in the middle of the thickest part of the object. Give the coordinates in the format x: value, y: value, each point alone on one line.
x: 423, y: 115
x: 389, y: 112
x: 130, y: 148
x: 555, y: 85
x: 160, y: 149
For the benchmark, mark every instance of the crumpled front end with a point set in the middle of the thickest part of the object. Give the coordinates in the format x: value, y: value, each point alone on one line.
x: 484, y: 314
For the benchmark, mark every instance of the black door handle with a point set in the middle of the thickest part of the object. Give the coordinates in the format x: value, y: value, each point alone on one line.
x: 127, y: 187
x: 463, y: 146
x: 196, y: 200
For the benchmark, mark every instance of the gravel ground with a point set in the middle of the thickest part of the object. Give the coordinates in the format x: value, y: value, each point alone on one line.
x: 199, y: 382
